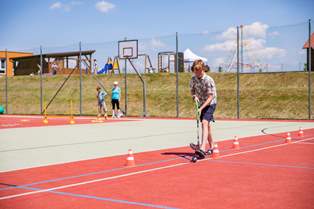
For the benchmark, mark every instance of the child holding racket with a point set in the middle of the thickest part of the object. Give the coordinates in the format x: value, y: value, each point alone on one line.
x: 203, y: 91
x: 102, y: 108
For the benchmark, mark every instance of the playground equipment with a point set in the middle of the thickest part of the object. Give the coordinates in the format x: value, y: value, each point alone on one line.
x: 115, y: 66
x: 110, y: 66
x: 170, y: 61
x: 148, y: 67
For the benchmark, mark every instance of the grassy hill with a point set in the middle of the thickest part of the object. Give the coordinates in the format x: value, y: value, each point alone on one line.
x: 275, y: 95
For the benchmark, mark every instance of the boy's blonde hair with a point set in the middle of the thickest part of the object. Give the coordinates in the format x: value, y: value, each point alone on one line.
x: 198, y: 64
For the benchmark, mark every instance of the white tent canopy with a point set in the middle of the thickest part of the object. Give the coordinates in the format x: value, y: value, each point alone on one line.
x: 190, y: 56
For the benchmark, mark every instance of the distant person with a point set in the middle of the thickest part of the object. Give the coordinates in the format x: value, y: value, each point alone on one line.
x: 109, y: 65
x: 54, y: 68
x: 95, y: 68
x: 115, y: 100
x: 102, y: 107
x: 203, y: 91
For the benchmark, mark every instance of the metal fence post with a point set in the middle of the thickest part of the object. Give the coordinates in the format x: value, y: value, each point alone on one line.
x: 309, y: 74
x: 238, y: 76
x: 80, y: 68
x: 241, y: 26
x: 6, y: 82
x: 41, y: 80
x: 177, y: 76
x: 125, y: 88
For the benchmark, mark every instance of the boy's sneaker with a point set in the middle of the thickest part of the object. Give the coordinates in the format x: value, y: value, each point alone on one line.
x: 194, y: 146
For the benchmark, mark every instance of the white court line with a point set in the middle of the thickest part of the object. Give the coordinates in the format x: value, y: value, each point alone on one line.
x: 307, y: 143
x: 138, y: 172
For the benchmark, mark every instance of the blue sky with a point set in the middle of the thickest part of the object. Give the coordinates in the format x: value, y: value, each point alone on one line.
x: 30, y: 23
x: 52, y: 23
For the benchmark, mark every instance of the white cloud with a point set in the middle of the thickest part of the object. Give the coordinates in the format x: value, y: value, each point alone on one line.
x: 254, y: 42
x: 254, y: 30
x: 64, y: 6
x: 104, y: 7
x: 230, y: 33
x: 226, y: 46
x: 268, y: 53
x: 101, y: 6
x: 56, y: 5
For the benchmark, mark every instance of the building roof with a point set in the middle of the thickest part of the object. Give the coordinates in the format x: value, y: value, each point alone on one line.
x: 61, y: 54
x: 306, y: 44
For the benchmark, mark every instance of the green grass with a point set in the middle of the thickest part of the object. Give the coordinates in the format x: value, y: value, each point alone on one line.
x: 276, y: 95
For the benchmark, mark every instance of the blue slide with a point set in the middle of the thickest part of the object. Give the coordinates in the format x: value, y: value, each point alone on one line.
x: 105, y: 69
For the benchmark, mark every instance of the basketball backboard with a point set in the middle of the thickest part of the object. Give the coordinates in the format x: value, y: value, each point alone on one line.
x: 128, y: 49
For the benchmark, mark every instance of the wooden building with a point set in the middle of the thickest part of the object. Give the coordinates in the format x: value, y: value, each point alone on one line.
x: 54, y: 63
x: 6, y: 56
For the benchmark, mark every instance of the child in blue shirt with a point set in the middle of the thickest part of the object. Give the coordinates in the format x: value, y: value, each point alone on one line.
x: 102, y: 107
x: 115, y: 100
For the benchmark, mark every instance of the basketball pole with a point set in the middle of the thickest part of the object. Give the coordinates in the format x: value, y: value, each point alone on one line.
x: 144, y: 88
x: 125, y: 86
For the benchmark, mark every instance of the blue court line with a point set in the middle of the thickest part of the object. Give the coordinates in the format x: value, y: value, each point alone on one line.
x: 89, y: 174
x: 105, y: 199
x: 261, y: 164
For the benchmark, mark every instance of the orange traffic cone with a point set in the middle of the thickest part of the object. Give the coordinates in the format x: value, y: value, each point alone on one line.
x: 301, y: 132
x: 72, y: 121
x: 236, y: 144
x: 45, y: 121
x: 215, y: 151
x: 288, y: 138
x: 130, y: 159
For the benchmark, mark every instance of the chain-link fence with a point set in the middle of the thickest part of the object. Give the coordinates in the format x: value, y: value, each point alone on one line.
x: 260, y: 72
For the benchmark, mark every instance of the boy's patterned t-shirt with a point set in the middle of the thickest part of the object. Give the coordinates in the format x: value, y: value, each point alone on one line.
x: 202, y: 88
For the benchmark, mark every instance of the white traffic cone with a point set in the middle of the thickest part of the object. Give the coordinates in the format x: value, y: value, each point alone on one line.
x: 130, y: 159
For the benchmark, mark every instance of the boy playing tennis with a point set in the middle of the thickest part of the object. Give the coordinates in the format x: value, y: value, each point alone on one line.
x: 203, y: 91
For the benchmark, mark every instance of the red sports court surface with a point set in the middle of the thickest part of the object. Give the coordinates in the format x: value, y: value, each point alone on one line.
x: 265, y: 172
